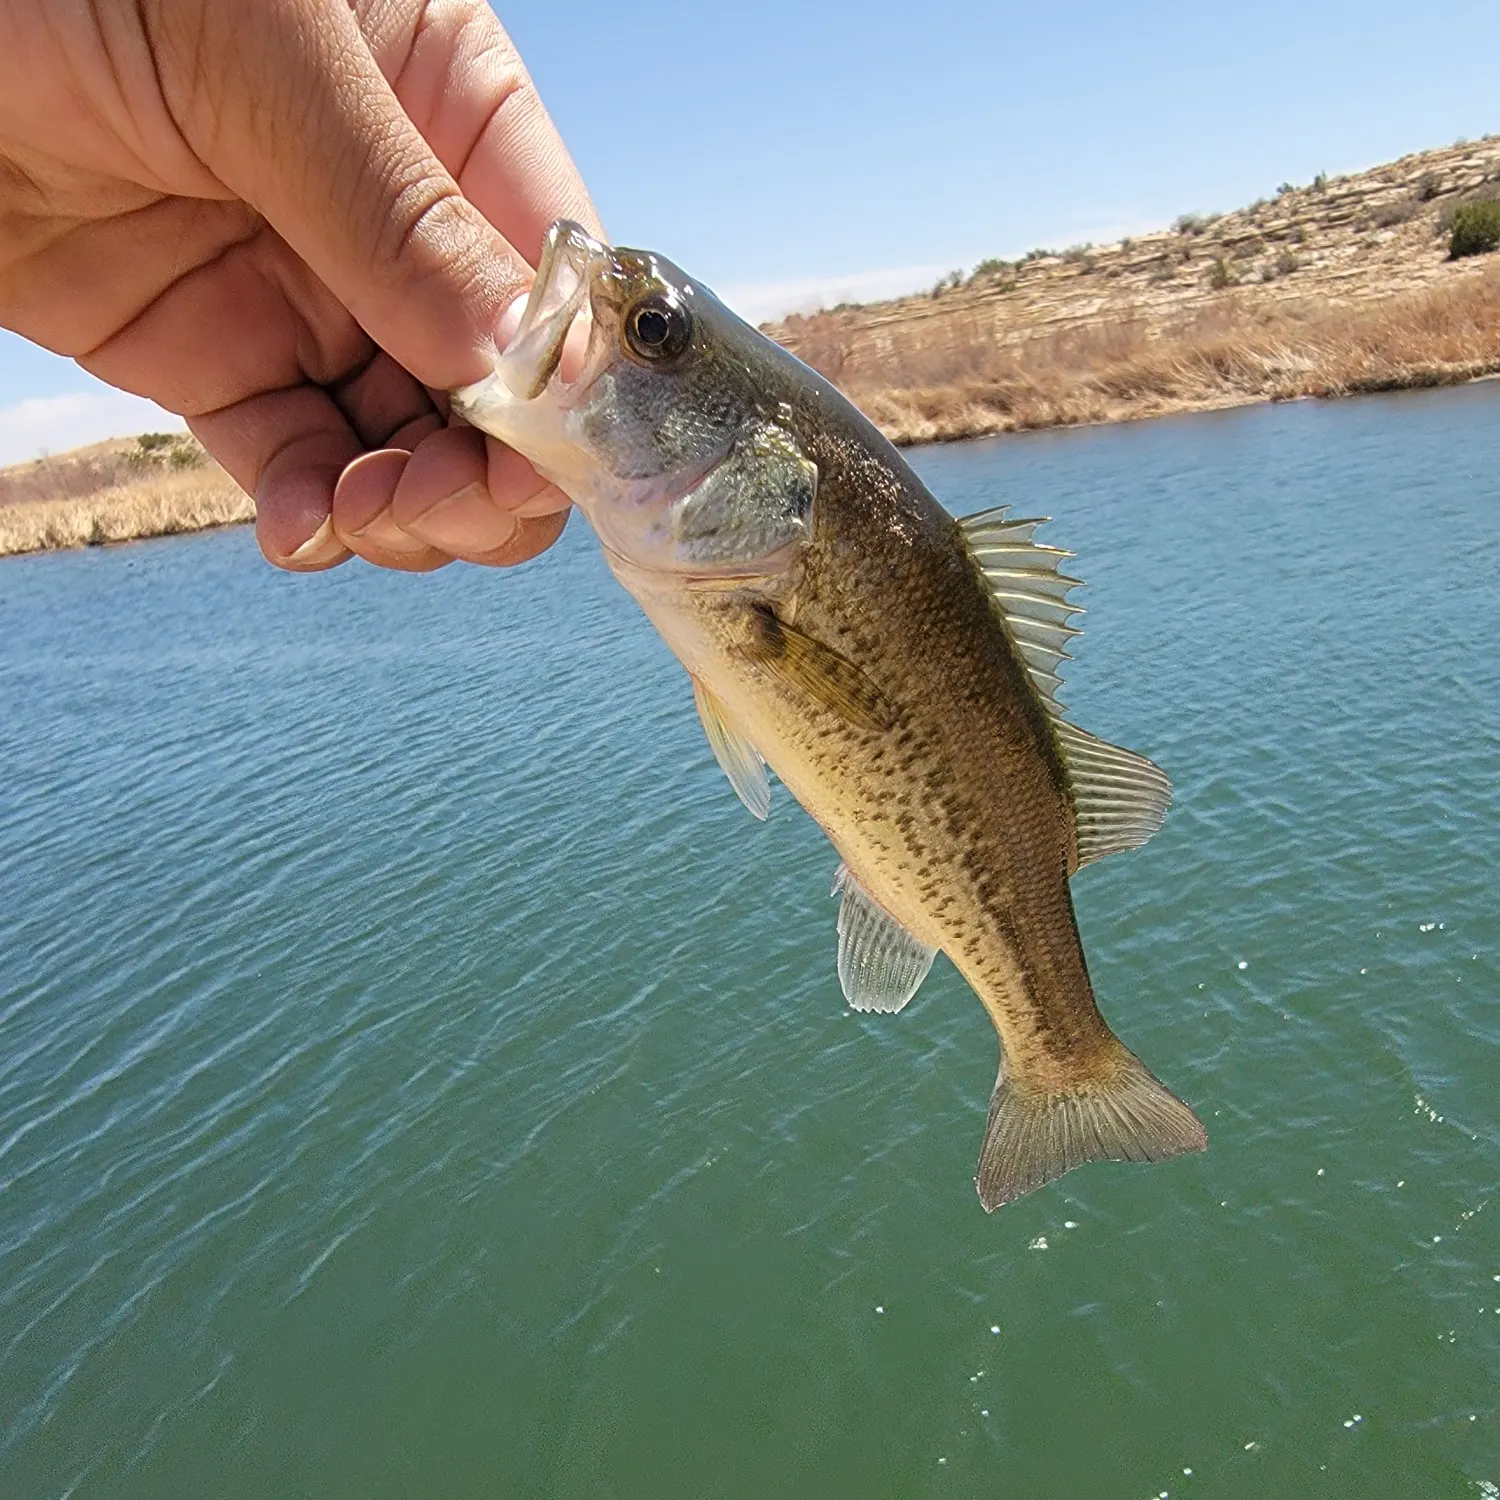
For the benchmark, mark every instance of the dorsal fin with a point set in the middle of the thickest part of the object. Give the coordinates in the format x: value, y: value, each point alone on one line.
x: 1032, y: 593
x: 1119, y: 798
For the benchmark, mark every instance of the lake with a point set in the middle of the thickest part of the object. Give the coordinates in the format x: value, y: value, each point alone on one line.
x: 419, y: 1077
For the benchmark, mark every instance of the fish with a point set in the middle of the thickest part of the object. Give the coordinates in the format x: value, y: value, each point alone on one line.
x: 895, y: 667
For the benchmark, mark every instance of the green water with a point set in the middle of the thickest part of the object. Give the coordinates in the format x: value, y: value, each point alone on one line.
x: 420, y: 1078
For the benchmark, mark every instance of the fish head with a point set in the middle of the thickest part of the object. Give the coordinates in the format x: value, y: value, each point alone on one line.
x: 653, y: 407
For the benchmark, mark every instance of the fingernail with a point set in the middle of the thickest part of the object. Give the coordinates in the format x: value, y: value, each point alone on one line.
x: 383, y: 532
x: 546, y: 502
x: 322, y: 547
x: 465, y: 521
x: 510, y: 320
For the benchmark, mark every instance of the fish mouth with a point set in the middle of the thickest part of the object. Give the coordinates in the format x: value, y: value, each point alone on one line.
x: 554, y: 323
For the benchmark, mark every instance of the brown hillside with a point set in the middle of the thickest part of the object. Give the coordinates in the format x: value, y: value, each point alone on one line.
x: 116, y: 491
x: 1337, y: 286
x: 1340, y: 286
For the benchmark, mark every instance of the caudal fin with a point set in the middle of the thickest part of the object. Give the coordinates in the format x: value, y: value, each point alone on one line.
x: 1035, y: 1134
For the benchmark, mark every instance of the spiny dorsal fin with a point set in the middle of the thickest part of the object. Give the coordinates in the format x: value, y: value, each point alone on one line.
x: 738, y: 759
x: 1023, y: 576
x: 881, y: 965
x: 1119, y: 798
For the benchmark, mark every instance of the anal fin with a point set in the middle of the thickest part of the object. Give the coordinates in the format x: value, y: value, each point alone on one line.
x: 881, y: 965
x: 1036, y: 1134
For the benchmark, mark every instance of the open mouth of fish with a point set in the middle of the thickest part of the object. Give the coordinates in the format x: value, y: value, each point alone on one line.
x: 553, y: 336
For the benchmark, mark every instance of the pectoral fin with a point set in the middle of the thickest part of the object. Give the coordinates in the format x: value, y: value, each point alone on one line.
x: 738, y: 759
x: 817, y: 671
x: 881, y: 965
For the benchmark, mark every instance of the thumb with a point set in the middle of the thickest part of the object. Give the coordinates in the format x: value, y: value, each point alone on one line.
x: 284, y: 103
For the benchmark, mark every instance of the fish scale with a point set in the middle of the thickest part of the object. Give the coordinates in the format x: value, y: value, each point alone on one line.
x: 898, y: 671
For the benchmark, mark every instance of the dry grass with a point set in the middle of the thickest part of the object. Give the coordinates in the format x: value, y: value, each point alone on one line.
x: 116, y: 491
x: 1236, y: 350
x: 159, y: 504
x: 1068, y: 359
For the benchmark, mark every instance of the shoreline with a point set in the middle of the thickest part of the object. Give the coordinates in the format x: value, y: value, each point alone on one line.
x: 1342, y: 287
x: 919, y: 435
x: 167, y: 506
x: 1236, y: 351
x: 210, y: 502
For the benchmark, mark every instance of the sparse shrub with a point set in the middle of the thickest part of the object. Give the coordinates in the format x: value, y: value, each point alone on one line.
x: 1127, y: 243
x: 1285, y: 188
x: 1256, y: 207
x: 991, y: 267
x: 1075, y: 254
x: 170, y: 450
x: 1429, y: 185
x: 1219, y: 275
x: 1286, y: 263
x: 1163, y: 272
x: 1451, y: 209
x: 825, y: 342
x: 1190, y: 224
x: 150, y: 450
x: 1397, y: 212
x: 1298, y: 236
x: 1320, y: 182
x: 1476, y: 230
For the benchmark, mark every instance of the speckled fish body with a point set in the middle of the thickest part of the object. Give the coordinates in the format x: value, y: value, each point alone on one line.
x: 893, y: 666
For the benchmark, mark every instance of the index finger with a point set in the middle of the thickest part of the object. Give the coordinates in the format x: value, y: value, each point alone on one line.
x: 463, y: 84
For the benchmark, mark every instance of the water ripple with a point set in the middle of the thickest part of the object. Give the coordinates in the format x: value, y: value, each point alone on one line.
x: 415, y: 1063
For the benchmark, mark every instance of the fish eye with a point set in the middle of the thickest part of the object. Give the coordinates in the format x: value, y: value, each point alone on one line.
x: 658, y: 328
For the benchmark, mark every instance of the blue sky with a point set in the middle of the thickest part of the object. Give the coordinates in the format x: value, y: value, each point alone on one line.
x: 785, y: 150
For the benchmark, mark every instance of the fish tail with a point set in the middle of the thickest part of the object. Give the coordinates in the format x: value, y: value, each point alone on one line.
x: 1120, y: 1114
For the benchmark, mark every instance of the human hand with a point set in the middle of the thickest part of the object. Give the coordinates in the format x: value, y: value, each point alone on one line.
x: 297, y: 223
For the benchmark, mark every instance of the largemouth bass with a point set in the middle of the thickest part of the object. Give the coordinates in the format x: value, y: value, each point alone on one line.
x: 896, y: 668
